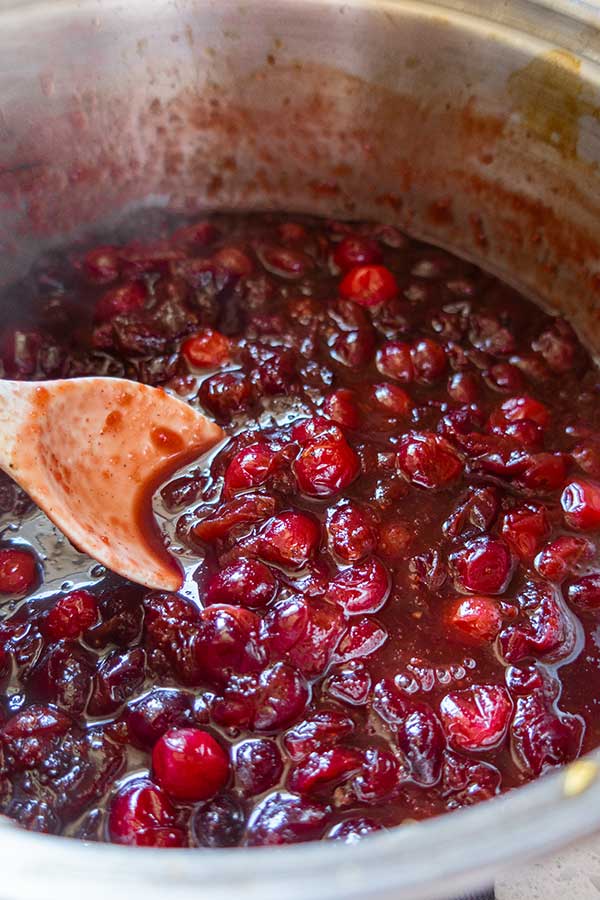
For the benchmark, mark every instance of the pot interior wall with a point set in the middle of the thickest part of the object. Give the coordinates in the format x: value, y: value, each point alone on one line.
x: 473, y: 136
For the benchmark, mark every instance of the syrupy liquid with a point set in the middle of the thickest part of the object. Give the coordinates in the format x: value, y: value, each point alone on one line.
x: 390, y: 606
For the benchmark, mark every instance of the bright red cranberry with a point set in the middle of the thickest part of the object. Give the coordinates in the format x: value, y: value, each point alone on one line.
x: 18, y: 571
x: 356, y: 250
x: 475, y: 621
x: 219, y: 823
x: 324, y: 769
x: 362, y: 588
x: 316, y: 428
x: 352, y: 535
x: 580, y: 501
x: 325, y: 467
x: 429, y: 360
x: 250, y: 467
x: 541, y: 737
x: 584, y: 594
x: 369, y: 285
x: 561, y: 557
x: 362, y: 638
x: 289, y: 539
x: 322, y: 730
x: 71, y: 615
x: 101, y: 265
x: 207, y: 349
x: 315, y: 650
x: 258, y: 765
x: 545, y: 472
x: 189, y: 764
x: 156, y: 713
x: 428, y: 460
x: 390, y: 400
x: 141, y: 814
x: 226, y: 641
x: 340, y: 407
x: 246, y: 583
x: 225, y: 394
x: 520, y: 408
x: 476, y: 718
x: 524, y: 528
x: 121, y: 301
x: 394, y: 360
x: 463, y: 388
x: 354, y: 830
x: 483, y: 566
x: 283, y: 818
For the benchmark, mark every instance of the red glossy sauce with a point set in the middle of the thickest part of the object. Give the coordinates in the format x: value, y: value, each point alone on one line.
x: 392, y: 591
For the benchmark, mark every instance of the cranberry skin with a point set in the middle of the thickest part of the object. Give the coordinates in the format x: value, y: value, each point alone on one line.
x: 322, y: 730
x: 225, y: 394
x: 283, y: 695
x: 160, y: 711
x: 483, y: 566
x: 249, y: 468
x: 325, y: 467
x: 561, y: 557
x: 549, y: 630
x: 352, y: 831
x: 362, y: 588
x: 524, y: 528
x: 429, y: 360
x: 258, y: 766
x: 355, y: 250
x: 219, y: 823
x: 465, y: 782
x: 121, y: 301
x: 18, y: 571
x: 289, y: 539
x: 379, y: 777
x: 247, y: 583
x: 352, y: 536
x: 520, y: 408
x: 283, y: 818
x: 477, y: 718
x: 101, y: 265
x: 369, y: 285
x: 584, y: 594
x: 580, y: 501
x: 428, y: 460
x: 324, y: 769
x: 117, y: 678
x: 142, y: 815
x: 475, y: 621
x: 340, y: 407
x: 71, y: 615
x: 189, y: 764
x: 541, y: 737
x: 394, y: 360
x: 284, y: 624
x: 207, y: 349
x: 244, y: 510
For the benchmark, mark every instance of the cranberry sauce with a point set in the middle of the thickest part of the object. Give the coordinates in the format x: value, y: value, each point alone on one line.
x: 392, y: 591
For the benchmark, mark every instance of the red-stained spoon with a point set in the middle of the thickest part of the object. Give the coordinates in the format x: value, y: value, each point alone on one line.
x: 89, y: 451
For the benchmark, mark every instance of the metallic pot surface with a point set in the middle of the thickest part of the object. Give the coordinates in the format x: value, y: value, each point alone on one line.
x: 472, y: 123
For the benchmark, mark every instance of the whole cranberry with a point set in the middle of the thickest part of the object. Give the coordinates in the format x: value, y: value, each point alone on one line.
x: 226, y: 641
x: 282, y: 697
x: 390, y: 400
x: 249, y: 468
x: 340, y: 407
x: 475, y: 621
x: 429, y: 360
x: 483, y: 566
x: 258, y: 765
x: 141, y: 814
x: 561, y: 557
x: 369, y: 285
x: 394, y: 360
x: 362, y: 588
x: 520, y: 408
x: 71, y: 615
x: 189, y: 764
x: 289, y: 539
x: 285, y: 262
x: 248, y: 583
x: 584, y: 594
x: 325, y: 467
x: 356, y: 250
x: 545, y: 472
x: 524, y: 528
x: 463, y: 388
x: 580, y: 501
x: 283, y: 818
x: 352, y: 535
x: 18, y: 570
x: 476, y: 718
x: 234, y: 261
x: 207, y: 349
x: 428, y: 460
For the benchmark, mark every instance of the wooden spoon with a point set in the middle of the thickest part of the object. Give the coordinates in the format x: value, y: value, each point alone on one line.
x: 90, y: 451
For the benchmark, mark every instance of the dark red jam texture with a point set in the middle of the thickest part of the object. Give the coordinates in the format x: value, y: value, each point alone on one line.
x: 392, y: 593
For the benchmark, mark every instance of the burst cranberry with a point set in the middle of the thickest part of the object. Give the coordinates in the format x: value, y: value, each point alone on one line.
x: 322, y: 730
x: 18, y: 571
x: 118, y: 677
x: 249, y: 468
x: 560, y: 557
x: 283, y: 695
x: 541, y: 737
x: 101, y: 265
x: 474, y: 620
x: 324, y: 769
x: 356, y: 250
x: 362, y: 588
x: 428, y: 460
x: 465, y: 782
x: 189, y: 764
x: 121, y: 301
x: 369, y: 285
x: 207, y: 349
x: 316, y: 428
x: 351, y: 533
x: 226, y: 641
x: 313, y: 653
x: 362, y: 638
x: 285, y: 262
x: 245, y: 583
x: 226, y: 394
x: 580, y: 501
x: 258, y: 766
x: 242, y: 511
x: 283, y: 818
x: 505, y: 377
x: 156, y: 713
x: 483, y: 566
x: 341, y: 408
x: 548, y: 630
x: 476, y: 718
x: 429, y: 360
x: 141, y: 814
x: 584, y: 594
x: 71, y: 615
x: 285, y: 623
x: 325, y: 467
x: 524, y: 528
x: 379, y: 777
x: 289, y: 539
x: 353, y: 348
x: 350, y: 684
x: 29, y: 734
x: 394, y: 360
x: 520, y: 408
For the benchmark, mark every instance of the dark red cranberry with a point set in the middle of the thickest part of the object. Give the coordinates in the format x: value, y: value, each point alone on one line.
x: 245, y: 510
x: 283, y: 695
x: 524, y: 528
x: 20, y: 353
x: 545, y: 472
x: 315, y: 650
x: 584, y: 594
x: 340, y: 407
x: 101, y: 265
x: 354, y: 830
x: 557, y: 347
x: 316, y: 428
x: 505, y: 377
x: 561, y: 557
x: 475, y: 621
x: 325, y: 467
x: 246, y: 583
x: 465, y: 781
x: 428, y: 460
x: 429, y: 360
x: 390, y: 400
x: 580, y: 501
x: 379, y: 777
x: 520, y: 408
x: 394, y: 360
x: 483, y: 566
x: 63, y: 676
x: 463, y: 388
x: 285, y: 623
x: 226, y: 641
x: 156, y: 713
x: 118, y: 677
x: 322, y: 730
x: 219, y: 823
x: 285, y: 262
x: 250, y: 467
x: 369, y: 285
x: 18, y: 570
x: 362, y: 638
x: 234, y: 261
x: 225, y: 394
x: 189, y: 764
x: 289, y: 539
x: 587, y: 456
x: 361, y: 588
x: 121, y: 301
x: 548, y: 630
x: 350, y: 683
x: 541, y: 737
x: 325, y: 768
x: 356, y: 250
x: 352, y: 535
x: 477, y: 511
x: 258, y: 766
x: 353, y: 349
x: 207, y: 349
x: 141, y: 814
x: 476, y: 718
x: 71, y: 615
x: 283, y: 818
x: 28, y: 735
